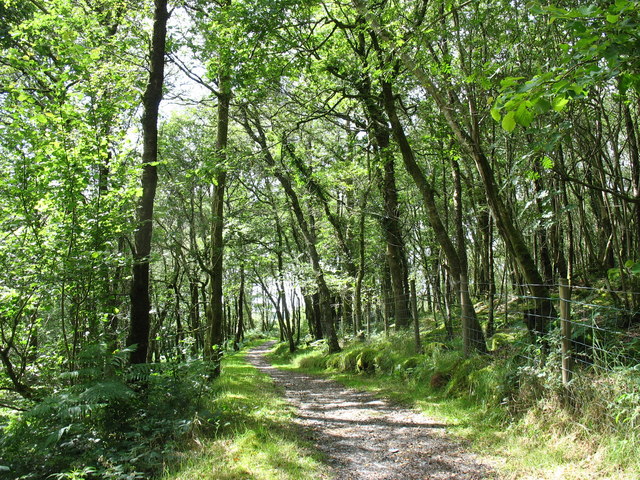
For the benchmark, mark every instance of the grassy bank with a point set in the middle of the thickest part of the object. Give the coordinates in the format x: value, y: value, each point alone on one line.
x: 518, y: 416
x: 255, y: 438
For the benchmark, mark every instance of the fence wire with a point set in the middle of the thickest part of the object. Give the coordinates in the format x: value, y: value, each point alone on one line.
x: 604, y: 324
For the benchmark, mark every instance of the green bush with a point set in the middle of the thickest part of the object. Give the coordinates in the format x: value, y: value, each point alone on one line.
x: 313, y: 360
x: 459, y: 382
x: 112, y: 421
x: 385, y: 361
x: 445, y: 361
x: 366, y: 360
x: 411, y: 363
x: 281, y: 350
x: 349, y: 360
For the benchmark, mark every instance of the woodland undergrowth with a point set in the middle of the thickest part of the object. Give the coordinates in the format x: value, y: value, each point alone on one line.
x: 111, y: 420
x: 506, y: 405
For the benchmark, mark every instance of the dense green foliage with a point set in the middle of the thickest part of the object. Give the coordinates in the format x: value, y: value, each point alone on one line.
x: 110, y: 420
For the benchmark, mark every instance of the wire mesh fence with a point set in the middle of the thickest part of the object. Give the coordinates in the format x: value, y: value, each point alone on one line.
x: 579, y: 329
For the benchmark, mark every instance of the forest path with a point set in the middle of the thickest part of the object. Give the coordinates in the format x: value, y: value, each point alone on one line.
x: 366, y: 438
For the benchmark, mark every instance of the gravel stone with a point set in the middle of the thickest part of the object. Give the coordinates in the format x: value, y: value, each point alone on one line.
x: 367, y: 438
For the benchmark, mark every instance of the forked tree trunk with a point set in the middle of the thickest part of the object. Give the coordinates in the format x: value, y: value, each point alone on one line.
x: 390, y: 222
x: 472, y: 335
x: 326, y: 314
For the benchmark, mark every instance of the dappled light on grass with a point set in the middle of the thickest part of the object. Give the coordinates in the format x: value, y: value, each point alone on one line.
x: 526, y: 431
x: 255, y: 439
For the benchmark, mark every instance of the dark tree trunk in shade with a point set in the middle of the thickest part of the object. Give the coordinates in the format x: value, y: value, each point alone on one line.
x: 390, y: 222
x: 240, y: 308
x: 140, y: 299
x: 472, y: 334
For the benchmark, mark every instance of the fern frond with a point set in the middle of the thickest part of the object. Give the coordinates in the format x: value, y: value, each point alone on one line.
x: 107, y: 392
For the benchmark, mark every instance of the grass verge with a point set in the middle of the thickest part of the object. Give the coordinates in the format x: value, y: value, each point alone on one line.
x: 507, y: 414
x: 256, y: 438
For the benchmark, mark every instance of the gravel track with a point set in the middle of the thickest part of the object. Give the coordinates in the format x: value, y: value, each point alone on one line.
x: 366, y: 438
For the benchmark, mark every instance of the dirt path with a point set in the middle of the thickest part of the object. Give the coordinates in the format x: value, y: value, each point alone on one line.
x: 366, y: 438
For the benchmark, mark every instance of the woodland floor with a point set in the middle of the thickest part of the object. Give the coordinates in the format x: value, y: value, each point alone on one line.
x: 367, y: 438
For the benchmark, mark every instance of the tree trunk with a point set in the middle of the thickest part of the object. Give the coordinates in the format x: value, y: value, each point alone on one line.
x: 473, y: 337
x: 240, y: 329
x: 326, y: 315
x: 215, y: 332
x: 390, y: 223
x: 194, y: 314
x: 140, y: 299
x: 634, y: 156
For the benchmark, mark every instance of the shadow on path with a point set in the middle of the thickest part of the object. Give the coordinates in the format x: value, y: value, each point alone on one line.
x: 366, y: 438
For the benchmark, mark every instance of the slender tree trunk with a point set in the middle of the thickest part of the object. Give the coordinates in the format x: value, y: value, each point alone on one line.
x: 248, y: 301
x: 472, y: 334
x: 316, y: 317
x: 282, y: 296
x: 456, y: 255
x: 140, y: 298
x: 492, y: 285
x: 215, y: 332
x: 395, y: 245
x: 326, y: 315
x: 194, y: 314
x: 634, y: 156
x: 240, y: 328
x: 360, y: 275
x: 387, y: 298
x: 309, y: 312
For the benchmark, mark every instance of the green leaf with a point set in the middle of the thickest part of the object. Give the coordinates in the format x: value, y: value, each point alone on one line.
x: 584, y: 11
x: 541, y: 105
x: 509, y: 121
x: 547, y: 163
x: 613, y: 273
x: 523, y: 116
x: 613, y: 18
x: 495, y: 113
x: 559, y: 103
x: 510, y: 81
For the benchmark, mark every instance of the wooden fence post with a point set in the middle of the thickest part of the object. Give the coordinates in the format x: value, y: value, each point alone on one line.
x: 565, y: 323
x: 414, y: 311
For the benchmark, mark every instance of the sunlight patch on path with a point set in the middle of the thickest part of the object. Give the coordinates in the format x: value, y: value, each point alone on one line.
x: 366, y: 438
